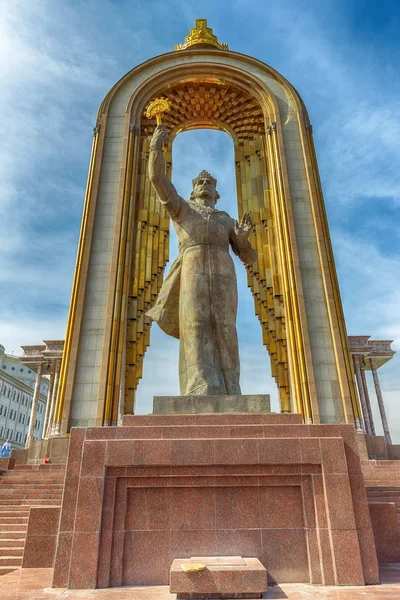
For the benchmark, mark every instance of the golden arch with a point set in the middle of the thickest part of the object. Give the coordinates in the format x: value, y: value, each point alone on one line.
x: 265, y: 117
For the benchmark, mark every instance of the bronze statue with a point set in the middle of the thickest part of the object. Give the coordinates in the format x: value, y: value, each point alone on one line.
x: 198, y: 301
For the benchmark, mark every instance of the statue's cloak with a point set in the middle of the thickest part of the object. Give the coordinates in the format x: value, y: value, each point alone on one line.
x: 166, y: 309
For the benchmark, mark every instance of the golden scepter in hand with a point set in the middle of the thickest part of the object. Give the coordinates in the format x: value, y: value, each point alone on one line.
x: 157, y: 108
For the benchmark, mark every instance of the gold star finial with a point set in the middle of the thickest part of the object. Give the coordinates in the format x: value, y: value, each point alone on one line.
x: 201, y: 34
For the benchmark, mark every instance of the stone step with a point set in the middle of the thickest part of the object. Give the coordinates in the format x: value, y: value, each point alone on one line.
x: 31, y: 502
x: 14, y: 520
x: 13, y: 535
x: 15, y: 528
x: 8, y: 561
x: 17, y: 511
x: 11, y: 543
x: 5, y: 570
x: 48, y: 467
x: 11, y: 551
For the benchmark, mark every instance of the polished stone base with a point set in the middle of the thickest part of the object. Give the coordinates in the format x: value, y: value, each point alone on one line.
x: 174, y: 486
x: 194, y: 405
x: 224, y: 577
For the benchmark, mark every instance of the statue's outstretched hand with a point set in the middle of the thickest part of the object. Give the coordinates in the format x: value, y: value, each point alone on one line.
x: 243, y: 228
x: 159, y: 138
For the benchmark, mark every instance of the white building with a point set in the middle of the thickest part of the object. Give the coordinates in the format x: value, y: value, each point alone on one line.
x: 17, y: 382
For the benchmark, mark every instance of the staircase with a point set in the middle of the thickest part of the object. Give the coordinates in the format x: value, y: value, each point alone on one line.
x: 21, y: 488
x: 382, y: 480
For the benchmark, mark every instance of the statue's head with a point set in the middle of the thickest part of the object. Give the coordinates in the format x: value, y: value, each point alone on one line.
x: 205, y: 188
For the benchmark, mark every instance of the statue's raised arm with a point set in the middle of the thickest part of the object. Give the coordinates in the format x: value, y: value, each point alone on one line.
x: 167, y: 194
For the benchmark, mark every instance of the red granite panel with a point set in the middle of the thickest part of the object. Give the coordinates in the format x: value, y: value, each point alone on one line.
x: 106, y: 536
x: 104, y: 566
x: 62, y: 561
x: 387, y: 542
x: 120, y: 453
x: 239, y: 542
x: 308, y: 502
x: 120, y: 505
x: 43, y: 520
x: 242, y: 581
x: 384, y: 515
x: 75, y: 451
x: 153, y: 452
x: 236, y: 480
x: 328, y: 572
x: 236, y: 470
x: 90, y: 500
x: 285, y: 555
x: 143, y: 562
x: 360, y: 502
x: 185, y: 544
x: 235, y: 451
x: 158, y: 420
x: 279, y: 451
x: 155, y: 471
x: 192, y: 508
x: 281, y: 480
x: 346, y: 552
x: 39, y: 551
x: 138, y: 433
x: 101, y: 433
x: 333, y: 455
x: 286, y: 431
x: 281, y: 507
x: 148, y: 509
x: 369, y: 558
x: 117, y: 471
x: 319, y: 500
x: 188, y: 481
x: 237, y: 508
x: 314, y: 557
x: 93, y: 458
x: 310, y: 451
x: 204, y: 584
x: 246, y: 431
x: 213, y: 431
x: 193, y: 470
x: 69, y: 501
x: 117, y: 554
x: 192, y: 452
x: 83, y: 571
x: 339, y: 502
x: 347, y: 432
x: 179, y: 432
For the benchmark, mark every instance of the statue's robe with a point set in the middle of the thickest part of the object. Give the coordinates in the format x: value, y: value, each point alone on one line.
x: 198, y: 300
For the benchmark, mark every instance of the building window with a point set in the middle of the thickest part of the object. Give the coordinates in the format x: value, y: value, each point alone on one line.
x: 9, y: 392
x: 1, y: 409
x: 24, y: 438
x: 1, y: 431
x: 5, y: 411
x: 18, y: 397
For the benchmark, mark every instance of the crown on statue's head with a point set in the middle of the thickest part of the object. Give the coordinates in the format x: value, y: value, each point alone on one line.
x: 202, y: 175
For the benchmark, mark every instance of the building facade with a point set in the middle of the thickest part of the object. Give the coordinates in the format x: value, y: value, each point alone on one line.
x: 17, y: 382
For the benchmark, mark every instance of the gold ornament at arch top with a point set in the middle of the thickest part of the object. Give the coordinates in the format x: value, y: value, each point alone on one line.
x: 201, y: 34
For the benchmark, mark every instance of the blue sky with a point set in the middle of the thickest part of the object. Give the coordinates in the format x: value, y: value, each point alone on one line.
x: 59, y: 58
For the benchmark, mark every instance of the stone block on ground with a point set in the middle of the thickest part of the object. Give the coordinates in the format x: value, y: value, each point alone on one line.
x: 223, y: 577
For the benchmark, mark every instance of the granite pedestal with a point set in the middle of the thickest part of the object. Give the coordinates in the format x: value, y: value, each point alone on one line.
x: 164, y: 487
x: 188, y: 405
